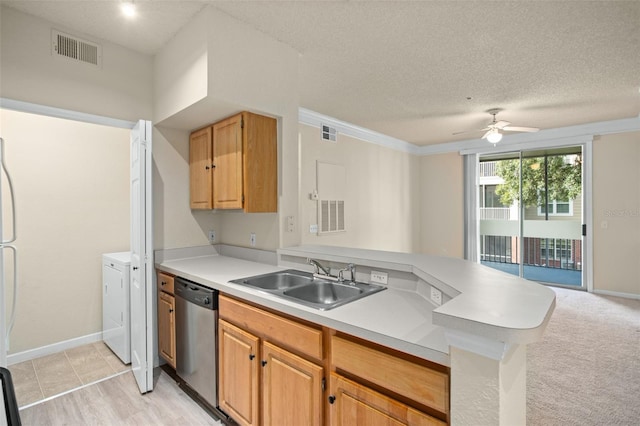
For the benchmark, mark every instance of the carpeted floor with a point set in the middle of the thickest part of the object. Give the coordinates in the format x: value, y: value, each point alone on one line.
x: 586, y: 370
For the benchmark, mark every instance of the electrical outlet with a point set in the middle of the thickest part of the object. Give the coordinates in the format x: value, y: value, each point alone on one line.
x: 291, y: 224
x: 379, y: 277
x: 313, y: 229
x: 252, y: 239
x: 436, y: 296
x: 212, y: 236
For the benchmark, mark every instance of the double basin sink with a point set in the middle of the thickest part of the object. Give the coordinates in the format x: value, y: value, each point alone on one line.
x: 309, y: 290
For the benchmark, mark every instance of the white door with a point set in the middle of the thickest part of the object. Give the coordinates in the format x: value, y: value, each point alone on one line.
x: 141, y: 257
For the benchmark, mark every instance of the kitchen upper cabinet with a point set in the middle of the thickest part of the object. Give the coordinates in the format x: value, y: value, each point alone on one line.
x: 233, y: 164
x: 355, y: 404
x: 166, y: 319
x: 238, y: 373
x: 200, y: 173
x: 291, y: 389
x: 228, y: 168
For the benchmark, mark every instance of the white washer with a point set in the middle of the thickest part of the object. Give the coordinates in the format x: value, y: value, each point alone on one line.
x: 116, y: 331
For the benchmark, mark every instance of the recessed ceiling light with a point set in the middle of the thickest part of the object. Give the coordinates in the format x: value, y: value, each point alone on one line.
x: 128, y: 9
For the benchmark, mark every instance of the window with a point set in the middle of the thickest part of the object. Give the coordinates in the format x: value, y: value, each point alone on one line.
x: 555, y: 248
x: 557, y: 208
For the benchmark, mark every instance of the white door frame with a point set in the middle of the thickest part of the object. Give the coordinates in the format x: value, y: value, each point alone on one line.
x: 472, y: 236
x: 48, y: 111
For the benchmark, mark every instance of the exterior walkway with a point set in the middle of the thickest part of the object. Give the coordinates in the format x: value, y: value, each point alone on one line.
x: 567, y: 277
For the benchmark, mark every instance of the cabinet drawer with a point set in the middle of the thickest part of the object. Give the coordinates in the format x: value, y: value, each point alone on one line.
x: 287, y: 333
x: 416, y: 382
x: 357, y: 404
x: 165, y: 282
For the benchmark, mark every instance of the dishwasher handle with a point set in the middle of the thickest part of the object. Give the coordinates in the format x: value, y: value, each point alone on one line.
x: 196, y: 293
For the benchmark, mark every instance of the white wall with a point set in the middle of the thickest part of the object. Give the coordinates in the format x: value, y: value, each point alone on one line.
x: 175, y: 224
x: 381, y: 193
x: 72, y: 197
x: 121, y: 88
x: 245, y: 70
x: 442, y: 205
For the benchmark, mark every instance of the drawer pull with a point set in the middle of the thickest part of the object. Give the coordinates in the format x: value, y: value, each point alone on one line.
x: 251, y: 357
x: 264, y: 363
x: 332, y: 399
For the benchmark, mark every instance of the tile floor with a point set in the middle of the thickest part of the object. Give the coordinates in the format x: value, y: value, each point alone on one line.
x: 54, y: 374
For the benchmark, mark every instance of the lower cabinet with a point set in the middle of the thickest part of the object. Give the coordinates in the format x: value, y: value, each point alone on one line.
x: 166, y: 319
x: 272, y: 371
x: 238, y: 373
x: 291, y: 389
x: 355, y: 404
x: 261, y: 381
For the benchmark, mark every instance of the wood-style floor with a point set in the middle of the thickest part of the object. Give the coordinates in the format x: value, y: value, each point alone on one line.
x: 117, y: 401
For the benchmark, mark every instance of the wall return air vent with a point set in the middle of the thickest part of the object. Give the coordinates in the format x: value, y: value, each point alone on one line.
x: 75, y: 48
x: 329, y: 134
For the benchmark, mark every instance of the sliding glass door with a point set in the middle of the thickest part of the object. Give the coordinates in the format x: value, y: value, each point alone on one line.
x: 530, y: 214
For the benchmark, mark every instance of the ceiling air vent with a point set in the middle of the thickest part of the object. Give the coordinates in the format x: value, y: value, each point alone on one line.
x: 329, y: 134
x: 75, y: 48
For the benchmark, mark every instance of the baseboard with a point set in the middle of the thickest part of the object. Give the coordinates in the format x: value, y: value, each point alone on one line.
x: 53, y: 348
x: 617, y: 294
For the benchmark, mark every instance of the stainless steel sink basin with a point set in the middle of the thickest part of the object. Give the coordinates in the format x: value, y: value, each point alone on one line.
x: 277, y: 281
x: 324, y: 293
x: 304, y: 288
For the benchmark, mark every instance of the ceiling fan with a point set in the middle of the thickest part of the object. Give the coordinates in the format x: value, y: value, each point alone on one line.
x: 495, y: 128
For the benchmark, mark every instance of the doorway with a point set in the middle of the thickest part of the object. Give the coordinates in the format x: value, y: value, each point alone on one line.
x: 530, y: 208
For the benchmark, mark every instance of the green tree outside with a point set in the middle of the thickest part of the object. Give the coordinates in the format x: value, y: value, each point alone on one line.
x: 564, y: 179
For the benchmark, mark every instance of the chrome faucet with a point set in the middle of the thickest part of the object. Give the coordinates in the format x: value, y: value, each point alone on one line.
x: 352, y: 270
x: 319, y: 267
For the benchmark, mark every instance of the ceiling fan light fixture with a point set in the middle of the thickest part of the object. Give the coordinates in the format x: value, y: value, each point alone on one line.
x: 494, y: 136
x: 128, y: 9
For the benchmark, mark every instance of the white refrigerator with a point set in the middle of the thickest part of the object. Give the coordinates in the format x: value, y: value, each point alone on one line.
x: 8, y: 254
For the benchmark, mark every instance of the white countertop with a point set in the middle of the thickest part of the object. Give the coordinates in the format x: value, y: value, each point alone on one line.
x: 485, y: 302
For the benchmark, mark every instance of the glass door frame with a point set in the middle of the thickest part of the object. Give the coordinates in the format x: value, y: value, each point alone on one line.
x: 472, y: 217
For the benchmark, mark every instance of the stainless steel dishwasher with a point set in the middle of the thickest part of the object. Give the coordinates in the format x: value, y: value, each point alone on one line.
x: 197, y: 338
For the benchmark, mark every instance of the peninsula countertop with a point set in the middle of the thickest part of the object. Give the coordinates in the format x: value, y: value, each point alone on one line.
x: 484, y: 302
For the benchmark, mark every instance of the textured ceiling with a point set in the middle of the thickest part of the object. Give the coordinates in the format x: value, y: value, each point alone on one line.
x: 407, y: 69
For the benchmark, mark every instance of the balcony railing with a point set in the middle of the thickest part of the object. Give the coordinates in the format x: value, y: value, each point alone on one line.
x: 487, y: 169
x: 544, y: 252
x: 495, y: 213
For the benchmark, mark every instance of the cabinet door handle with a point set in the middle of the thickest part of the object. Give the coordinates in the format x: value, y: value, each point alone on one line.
x: 135, y: 268
x: 170, y: 310
x: 251, y: 357
x: 264, y: 363
x: 332, y: 399
x: 206, y: 167
x: 213, y: 166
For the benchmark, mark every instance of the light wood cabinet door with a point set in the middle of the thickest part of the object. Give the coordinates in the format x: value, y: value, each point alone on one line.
x: 166, y: 328
x: 291, y: 389
x: 353, y: 404
x: 200, y: 173
x: 227, y: 161
x: 238, y: 374
x: 260, y: 138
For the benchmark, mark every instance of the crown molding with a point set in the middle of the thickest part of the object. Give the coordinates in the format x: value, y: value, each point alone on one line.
x: 571, y: 135
x: 66, y: 114
x: 316, y: 119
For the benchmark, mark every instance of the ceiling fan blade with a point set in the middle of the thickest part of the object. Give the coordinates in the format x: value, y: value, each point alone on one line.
x: 486, y: 134
x: 520, y: 129
x: 470, y: 131
x: 501, y: 124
